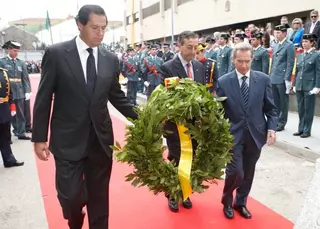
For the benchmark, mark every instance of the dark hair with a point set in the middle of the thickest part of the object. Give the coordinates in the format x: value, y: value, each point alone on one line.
x: 186, y: 35
x: 266, y: 43
x: 86, y: 10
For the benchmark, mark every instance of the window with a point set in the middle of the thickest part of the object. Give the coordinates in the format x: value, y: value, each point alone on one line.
x: 167, y: 4
x: 151, y: 10
x: 136, y: 17
x: 180, y: 2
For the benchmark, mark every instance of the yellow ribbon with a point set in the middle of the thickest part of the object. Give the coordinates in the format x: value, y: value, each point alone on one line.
x: 184, y: 169
x: 185, y: 163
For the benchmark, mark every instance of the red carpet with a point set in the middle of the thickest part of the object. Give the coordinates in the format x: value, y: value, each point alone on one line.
x: 137, y: 208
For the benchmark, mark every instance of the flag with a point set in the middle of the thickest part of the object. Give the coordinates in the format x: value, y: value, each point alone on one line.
x: 47, y: 25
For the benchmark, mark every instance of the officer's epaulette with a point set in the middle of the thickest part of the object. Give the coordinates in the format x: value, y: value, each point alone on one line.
x: 3, y: 69
x: 211, y: 59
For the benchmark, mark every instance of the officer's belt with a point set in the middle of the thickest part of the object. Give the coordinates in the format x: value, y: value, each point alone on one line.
x: 14, y: 80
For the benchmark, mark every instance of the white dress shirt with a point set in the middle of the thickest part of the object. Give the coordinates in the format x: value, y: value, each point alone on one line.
x: 312, y: 26
x: 241, y: 75
x: 184, y: 63
x: 84, y: 54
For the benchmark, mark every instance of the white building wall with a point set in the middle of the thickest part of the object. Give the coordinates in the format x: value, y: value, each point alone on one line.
x: 204, y: 14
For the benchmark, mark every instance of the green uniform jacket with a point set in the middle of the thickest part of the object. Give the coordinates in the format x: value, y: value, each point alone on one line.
x: 224, y: 61
x: 150, y: 63
x: 18, y: 75
x: 261, y: 60
x: 131, y: 68
x: 307, y: 71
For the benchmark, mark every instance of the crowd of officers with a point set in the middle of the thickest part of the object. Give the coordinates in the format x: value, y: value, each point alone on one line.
x: 15, y: 92
x: 141, y: 68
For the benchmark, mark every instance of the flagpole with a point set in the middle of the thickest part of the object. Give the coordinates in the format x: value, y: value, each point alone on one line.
x: 132, y: 25
x: 172, y: 24
x: 51, y: 34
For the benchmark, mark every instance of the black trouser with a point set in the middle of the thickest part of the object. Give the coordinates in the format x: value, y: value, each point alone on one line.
x: 85, y: 182
x: 19, y: 121
x: 281, y: 100
x: 5, y: 148
x: 27, y: 115
x: 306, y: 106
x: 240, y: 171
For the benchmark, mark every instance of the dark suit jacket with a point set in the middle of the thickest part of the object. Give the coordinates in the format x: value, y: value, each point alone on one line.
x: 260, y: 105
x: 174, y: 68
x: 74, y: 113
x: 315, y: 31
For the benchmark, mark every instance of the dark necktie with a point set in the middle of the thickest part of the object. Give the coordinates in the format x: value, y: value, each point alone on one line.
x: 245, y: 91
x: 91, y: 72
x: 245, y: 95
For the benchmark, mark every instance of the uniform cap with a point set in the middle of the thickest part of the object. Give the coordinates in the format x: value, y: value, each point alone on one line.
x: 309, y: 37
x: 201, y: 47
x: 11, y: 44
x: 282, y: 28
x: 224, y: 35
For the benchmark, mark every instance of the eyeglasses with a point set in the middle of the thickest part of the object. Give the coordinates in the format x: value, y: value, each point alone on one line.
x: 313, y: 16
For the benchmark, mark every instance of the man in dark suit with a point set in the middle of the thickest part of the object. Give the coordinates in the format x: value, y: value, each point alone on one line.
x: 253, y: 116
x: 313, y: 26
x: 83, y: 77
x: 182, y: 66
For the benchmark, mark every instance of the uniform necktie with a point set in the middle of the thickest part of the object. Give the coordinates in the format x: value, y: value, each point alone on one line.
x: 245, y: 95
x: 189, y: 70
x: 91, y: 72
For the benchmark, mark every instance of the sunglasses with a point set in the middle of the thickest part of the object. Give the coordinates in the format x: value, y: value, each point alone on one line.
x: 313, y: 16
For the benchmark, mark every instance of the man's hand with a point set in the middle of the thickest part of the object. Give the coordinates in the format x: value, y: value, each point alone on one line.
x: 28, y: 95
x: 41, y: 150
x: 271, y: 139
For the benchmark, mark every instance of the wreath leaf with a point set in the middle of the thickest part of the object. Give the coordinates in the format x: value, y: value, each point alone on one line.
x: 144, y: 149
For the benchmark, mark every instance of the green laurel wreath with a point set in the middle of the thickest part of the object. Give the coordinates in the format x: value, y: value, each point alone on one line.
x: 181, y: 101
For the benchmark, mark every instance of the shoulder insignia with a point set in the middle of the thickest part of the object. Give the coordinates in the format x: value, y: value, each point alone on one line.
x: 211, y: 60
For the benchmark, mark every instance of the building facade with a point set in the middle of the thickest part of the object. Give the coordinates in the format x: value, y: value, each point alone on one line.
x: 150, y: 20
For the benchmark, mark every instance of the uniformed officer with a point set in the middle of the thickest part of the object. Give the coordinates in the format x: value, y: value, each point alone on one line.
x: 20, y: 83
x: 7, y: 110
x: 239, y: 37
x: 150, y: 67
x: 210, y: 53
x: 307, y: 84
x: 261, y: 57
x: 210, y: 67
x: 138, y: 56
x: 131, y: 67
x: 168, y: 54
x: 224, y: 56
x: 283, y: 59
x: 159, y: 50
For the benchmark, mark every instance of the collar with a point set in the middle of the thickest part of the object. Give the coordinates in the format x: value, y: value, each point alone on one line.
x: 203, y: 60
x: 315, y: 22
x: 282, y: 41
x: 183, y: 61
x: 222, y: 47
x: 257, y: 48
x: 239, y: 75
x: 82, y: 46
x: 310, y: 50
x: 10, y: 57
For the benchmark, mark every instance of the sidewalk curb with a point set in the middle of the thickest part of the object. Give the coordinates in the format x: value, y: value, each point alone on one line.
x: 298, y: 151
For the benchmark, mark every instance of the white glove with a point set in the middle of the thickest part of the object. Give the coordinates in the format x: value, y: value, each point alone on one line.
x: 146, y: 83
x: 13, y: 113
x: 28, y: 95
x: 314, y: 91
x: 288, y: 86
x: 294, y: 89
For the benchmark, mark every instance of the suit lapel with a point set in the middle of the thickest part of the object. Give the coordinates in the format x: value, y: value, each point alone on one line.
x: 73, y: 61
x: 179, y: 68
x: 104, y: 70
x: 252, y: 89
x: 234, y: 81
x: 281, y: 46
